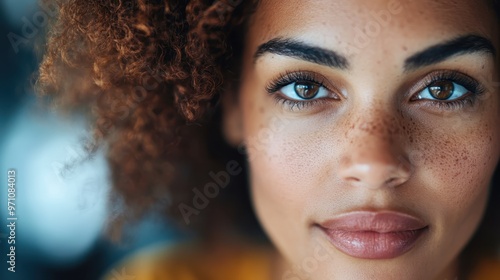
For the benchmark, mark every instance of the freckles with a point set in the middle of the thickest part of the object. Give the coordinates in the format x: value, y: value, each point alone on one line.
x: 456, y: 161
x: 382, y: 126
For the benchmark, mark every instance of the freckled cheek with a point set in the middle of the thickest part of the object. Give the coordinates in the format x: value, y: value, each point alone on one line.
x: 458, y: 168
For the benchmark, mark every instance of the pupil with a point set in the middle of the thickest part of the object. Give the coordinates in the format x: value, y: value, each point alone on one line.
x: 306, y: 90
x: 441, y: 90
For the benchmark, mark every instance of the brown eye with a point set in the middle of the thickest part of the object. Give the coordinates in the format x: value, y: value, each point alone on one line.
x: 441, y: 90
x: 306, y: 90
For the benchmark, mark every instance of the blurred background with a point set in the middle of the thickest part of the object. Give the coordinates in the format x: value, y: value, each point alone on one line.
x: 61, y: 212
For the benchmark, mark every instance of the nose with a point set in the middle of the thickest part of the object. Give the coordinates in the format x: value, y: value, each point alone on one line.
x: 374, y: 157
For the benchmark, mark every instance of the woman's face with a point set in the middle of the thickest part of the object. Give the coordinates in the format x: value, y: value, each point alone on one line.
x: 372, y: 131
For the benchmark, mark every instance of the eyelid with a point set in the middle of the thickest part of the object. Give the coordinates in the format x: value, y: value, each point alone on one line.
x: 424, y: 81
x: 289, y: 77
x: 457, y: 89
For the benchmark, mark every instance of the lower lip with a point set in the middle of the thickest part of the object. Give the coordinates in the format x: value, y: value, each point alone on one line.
x: 374, y: 245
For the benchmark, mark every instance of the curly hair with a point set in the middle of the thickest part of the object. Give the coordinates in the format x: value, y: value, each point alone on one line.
x: 147, y: 73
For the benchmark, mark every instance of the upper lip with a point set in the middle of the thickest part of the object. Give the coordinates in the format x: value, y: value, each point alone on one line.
x: 379, y: 221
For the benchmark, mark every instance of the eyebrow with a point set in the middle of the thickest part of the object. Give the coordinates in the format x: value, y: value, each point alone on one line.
x: 299, y: 50
x: 468, y: 44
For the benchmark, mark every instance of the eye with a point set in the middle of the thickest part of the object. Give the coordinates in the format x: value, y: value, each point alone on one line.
x: 304, y: 91
x: 443, y: 90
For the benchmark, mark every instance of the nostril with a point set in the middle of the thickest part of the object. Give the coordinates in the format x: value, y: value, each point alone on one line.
x: 391, y: 181
x: 375, y: 167
x: 353, y: 179
x: 374, y: 175
x: 395, y: 181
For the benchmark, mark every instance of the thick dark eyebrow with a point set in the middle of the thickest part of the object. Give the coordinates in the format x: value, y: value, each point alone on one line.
x: 300, y: 50
x: 462, y: 45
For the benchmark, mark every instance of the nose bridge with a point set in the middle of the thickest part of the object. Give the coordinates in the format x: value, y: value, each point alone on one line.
x: 377, y: 126
x: 375, y: 156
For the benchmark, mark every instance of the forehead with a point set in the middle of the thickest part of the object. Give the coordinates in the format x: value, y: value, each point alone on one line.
x: 382, y: 22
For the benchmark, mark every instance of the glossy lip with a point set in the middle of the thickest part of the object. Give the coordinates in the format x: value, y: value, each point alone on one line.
x: 374, y: 235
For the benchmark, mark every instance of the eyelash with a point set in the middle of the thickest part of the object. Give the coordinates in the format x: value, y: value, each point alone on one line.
x: 475, y: 89
x: 294, y: 77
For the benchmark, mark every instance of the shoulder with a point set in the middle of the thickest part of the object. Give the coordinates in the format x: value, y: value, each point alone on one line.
x: 194, y: 261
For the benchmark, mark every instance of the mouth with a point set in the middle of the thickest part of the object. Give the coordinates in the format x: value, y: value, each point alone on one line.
x: 374, y: 235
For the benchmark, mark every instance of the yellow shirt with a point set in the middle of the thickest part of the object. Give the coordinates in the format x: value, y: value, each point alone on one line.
x: 241, y: 262
x: 487, y: 270
x: 188, y: 262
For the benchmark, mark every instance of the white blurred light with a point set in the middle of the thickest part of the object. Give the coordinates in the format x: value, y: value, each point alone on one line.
x: 60, y: 216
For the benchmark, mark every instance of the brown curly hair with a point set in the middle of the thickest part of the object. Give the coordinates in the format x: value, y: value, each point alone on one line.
x: 148, y: 73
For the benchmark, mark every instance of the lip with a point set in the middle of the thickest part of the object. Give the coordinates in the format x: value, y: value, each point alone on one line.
x: 374, y: 235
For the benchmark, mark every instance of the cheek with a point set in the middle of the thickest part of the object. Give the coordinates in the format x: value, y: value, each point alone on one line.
x: 288, y: 156
x: 284, y: 157
x: 454, y: 166
x: 456, y: 172
x: 458, y: 163
x: 280, y: 164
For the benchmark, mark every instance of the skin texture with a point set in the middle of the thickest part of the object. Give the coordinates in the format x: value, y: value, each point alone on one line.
x: 368, y: 146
